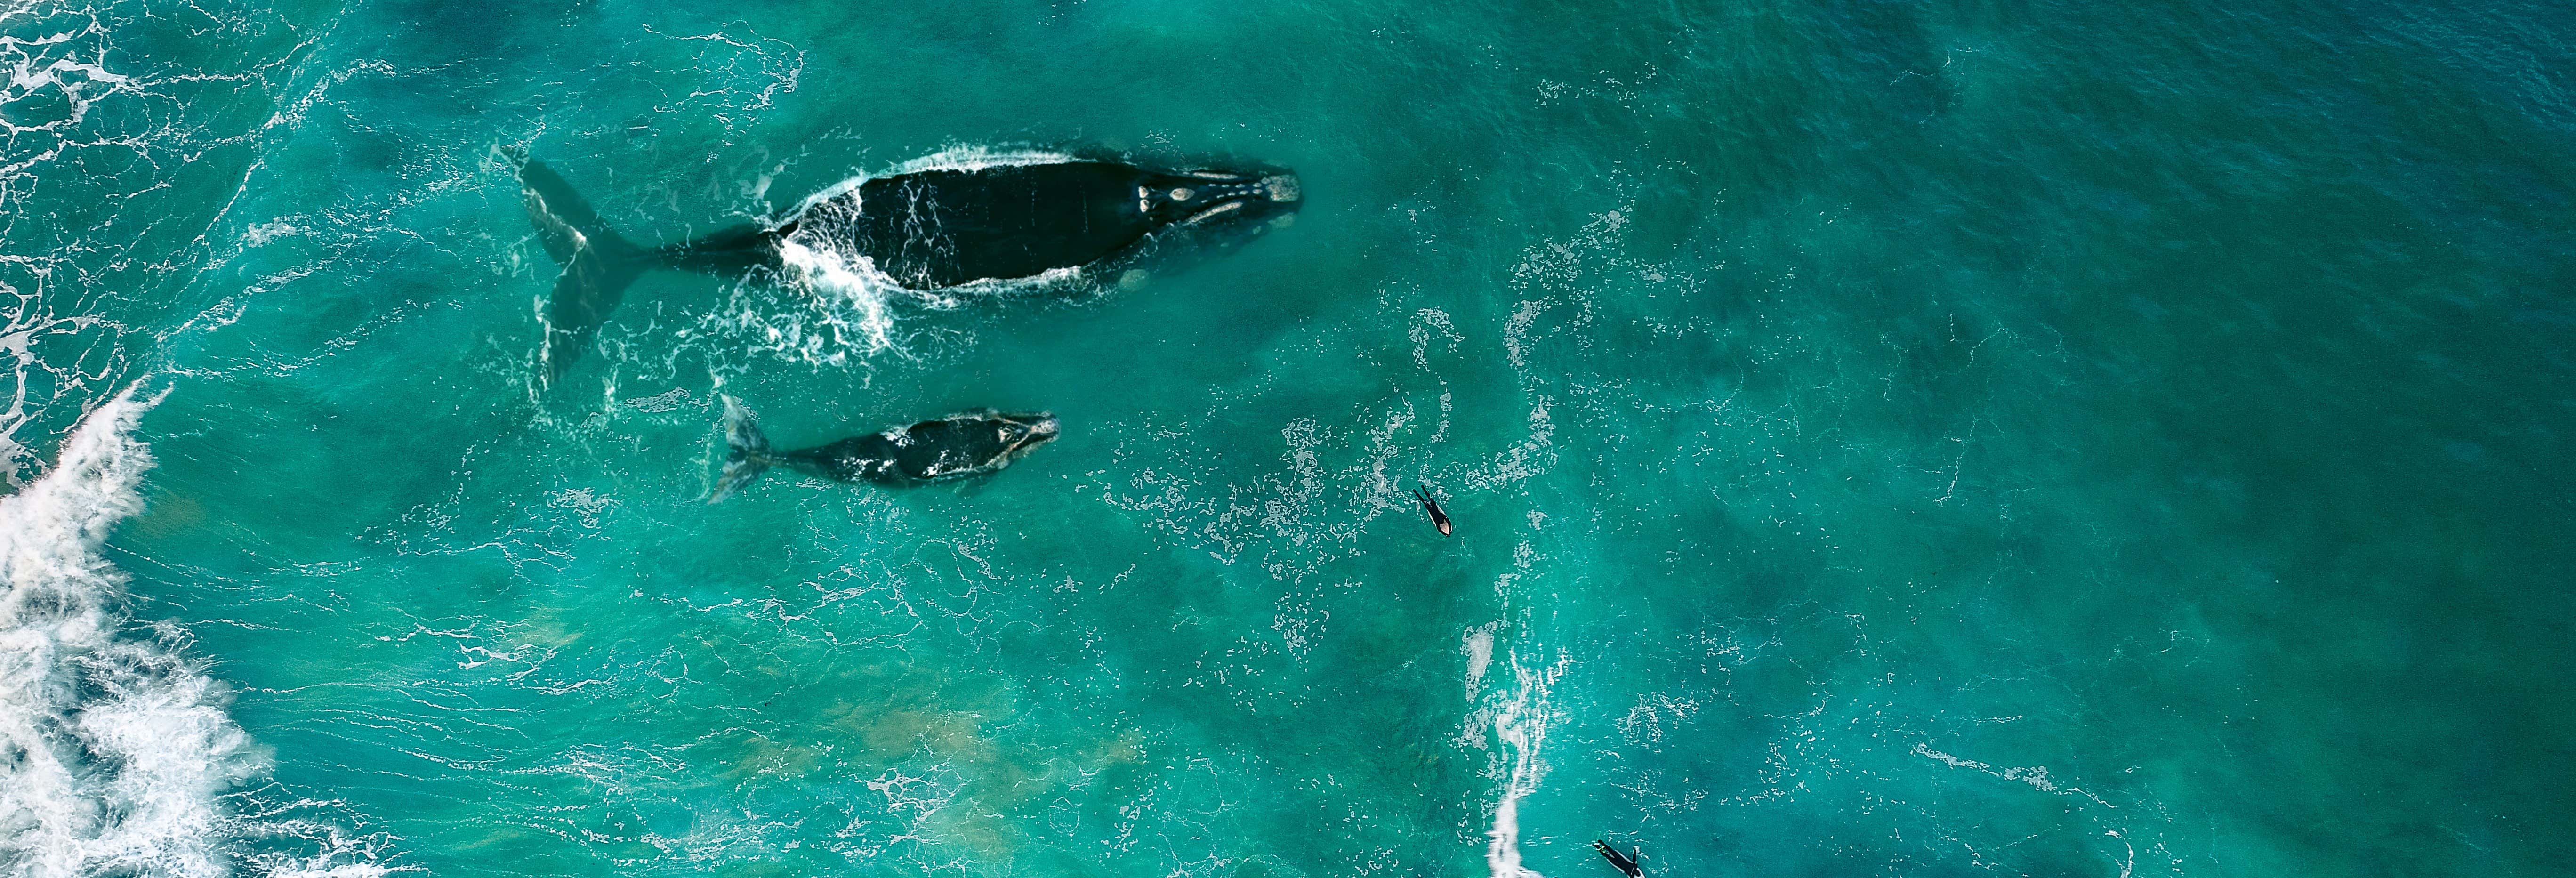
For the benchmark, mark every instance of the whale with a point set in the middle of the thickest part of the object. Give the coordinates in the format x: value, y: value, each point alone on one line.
x: 958, y: 446
x: 927, y: 226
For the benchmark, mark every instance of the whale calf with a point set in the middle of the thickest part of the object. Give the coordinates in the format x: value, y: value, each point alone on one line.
x: 956, y: 446
x: 931, y: 227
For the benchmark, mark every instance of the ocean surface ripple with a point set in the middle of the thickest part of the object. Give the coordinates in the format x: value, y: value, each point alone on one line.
x: 1897, y: 439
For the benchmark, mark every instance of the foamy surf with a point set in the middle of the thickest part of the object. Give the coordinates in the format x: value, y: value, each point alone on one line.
x: 116, y: 751
x: 1517, y: 721
x: 854, y: 279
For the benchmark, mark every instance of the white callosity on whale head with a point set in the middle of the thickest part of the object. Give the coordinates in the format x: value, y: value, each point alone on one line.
x: 1282, y: 187
x: 1226, y: 197
x: 1213, y: 212
x: 1038, y: 432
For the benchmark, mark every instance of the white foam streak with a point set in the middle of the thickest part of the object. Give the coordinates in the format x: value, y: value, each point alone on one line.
x: 976, y: 158
x: 1519, y: 721
x: 1503, y: 846
x: 955, y: 158
x: 1478, y: 645
x: 119, y: 748
x: 854, y: 278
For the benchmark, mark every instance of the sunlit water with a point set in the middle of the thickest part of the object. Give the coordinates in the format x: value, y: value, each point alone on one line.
x: 1884, y: 439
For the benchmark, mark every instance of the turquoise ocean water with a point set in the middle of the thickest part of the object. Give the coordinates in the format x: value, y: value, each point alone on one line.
x: 1886, y: 438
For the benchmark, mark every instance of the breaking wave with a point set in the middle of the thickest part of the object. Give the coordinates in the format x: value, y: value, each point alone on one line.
x: 117, y: 753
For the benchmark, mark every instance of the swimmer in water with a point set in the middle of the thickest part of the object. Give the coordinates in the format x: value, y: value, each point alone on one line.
x: 1439, y: 519
x: 1626, y: 862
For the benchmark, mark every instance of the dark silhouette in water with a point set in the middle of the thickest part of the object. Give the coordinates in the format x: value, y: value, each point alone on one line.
x: 923, y: 230
x: 1439, y: 519
x: 960, y: 445
x: 1626, y: 862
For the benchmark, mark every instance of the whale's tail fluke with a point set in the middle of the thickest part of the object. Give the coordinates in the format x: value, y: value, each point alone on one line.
x: 597, y: 265
x: 746, y: 451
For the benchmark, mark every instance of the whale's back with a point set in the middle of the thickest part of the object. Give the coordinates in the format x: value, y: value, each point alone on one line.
x: 948, y: 227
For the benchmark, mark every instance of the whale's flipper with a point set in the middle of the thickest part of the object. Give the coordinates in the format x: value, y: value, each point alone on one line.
x: 747, y: 451
x: 598, y: 265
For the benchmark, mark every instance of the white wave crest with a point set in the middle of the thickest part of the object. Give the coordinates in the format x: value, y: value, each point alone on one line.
x: 1518, y: 720
x: 117, y: 747
x: 116, y: 751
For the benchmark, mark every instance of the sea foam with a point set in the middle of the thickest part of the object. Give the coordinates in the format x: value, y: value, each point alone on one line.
x: 116, y: 751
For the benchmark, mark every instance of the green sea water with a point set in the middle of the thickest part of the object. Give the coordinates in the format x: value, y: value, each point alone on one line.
x: 1885, y: 438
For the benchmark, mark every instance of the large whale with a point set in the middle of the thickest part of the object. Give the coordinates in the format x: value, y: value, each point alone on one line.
x: 959, y: 445
x: 928, y: 226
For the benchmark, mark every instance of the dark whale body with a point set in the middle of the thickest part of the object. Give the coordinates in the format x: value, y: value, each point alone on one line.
x: 957, y: 446
x: 924, y: 230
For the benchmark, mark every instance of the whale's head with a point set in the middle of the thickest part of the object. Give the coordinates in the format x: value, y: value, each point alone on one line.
x: 967, y: 443
x: 1220, y: 201
x: 1021, y: 433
